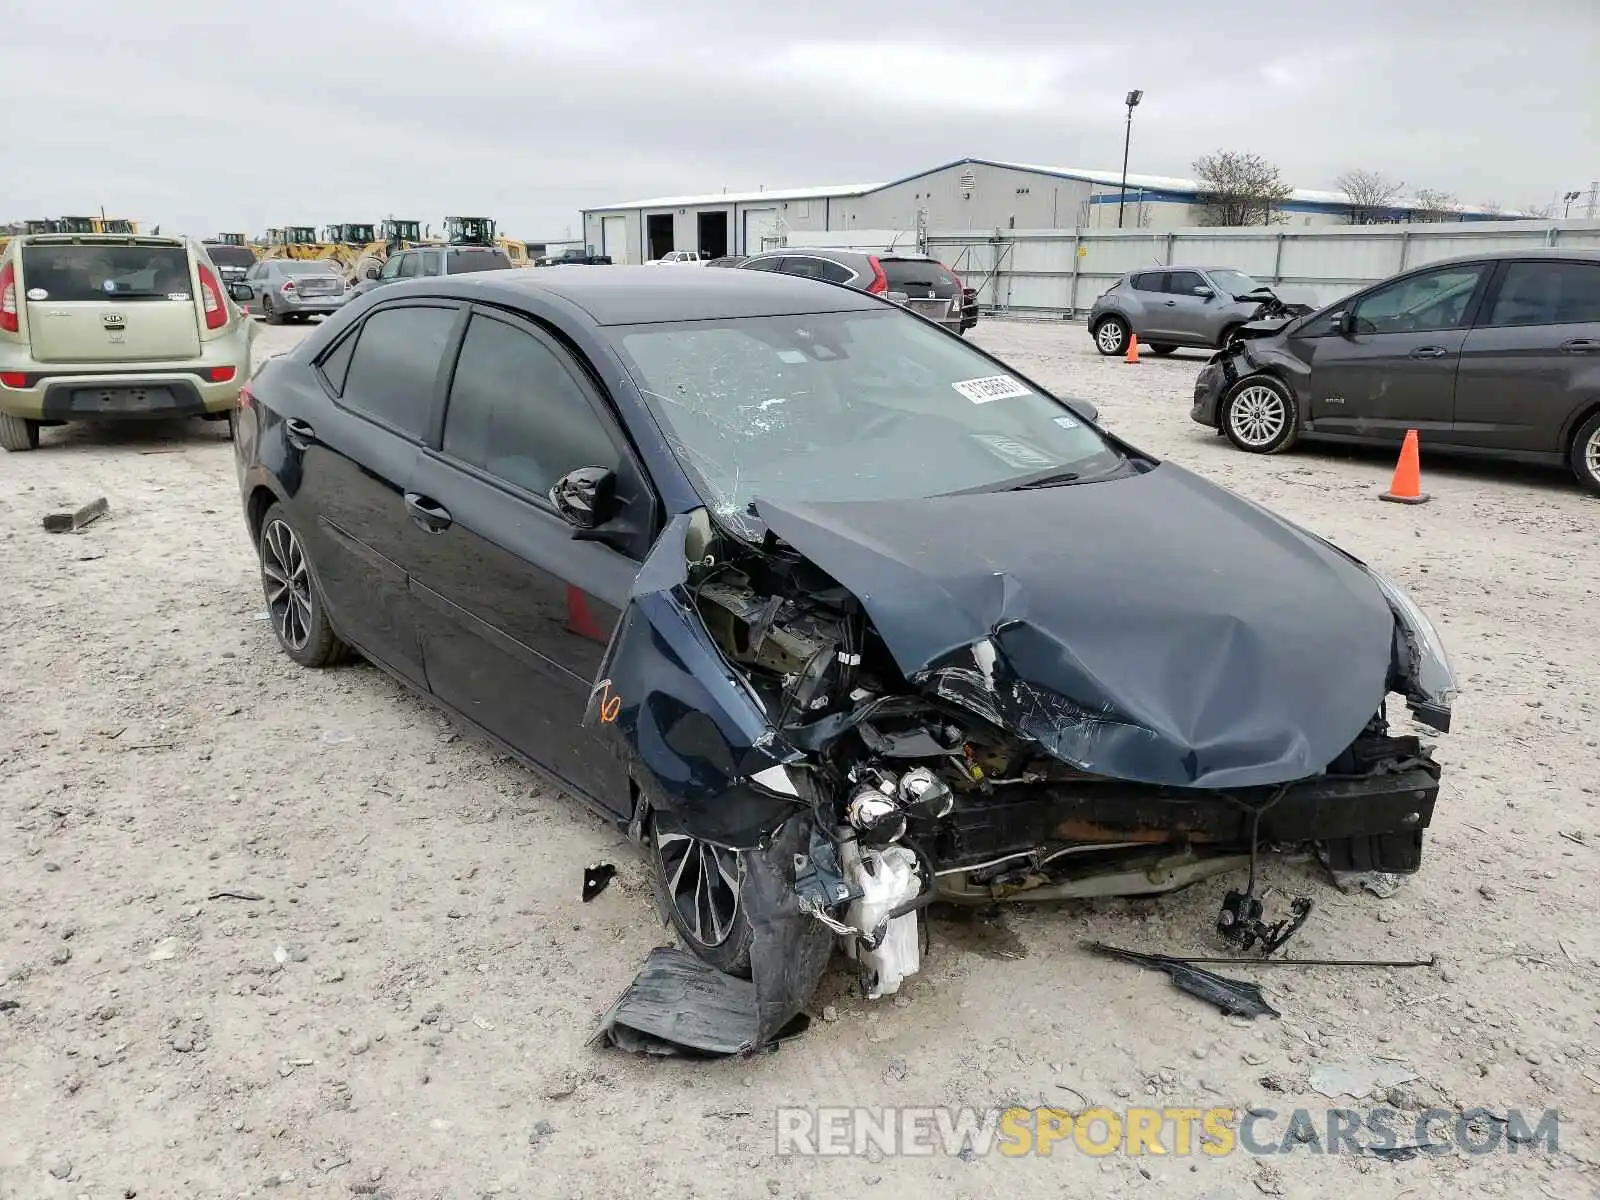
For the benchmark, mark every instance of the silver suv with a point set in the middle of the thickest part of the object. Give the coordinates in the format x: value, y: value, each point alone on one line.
x: 1168, y: 307
x: 923, y: 284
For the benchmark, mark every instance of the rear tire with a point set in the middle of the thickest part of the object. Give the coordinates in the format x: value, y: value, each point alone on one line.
x: 1111, y: 336
x: 1585, y: 457
x: 1260, y: 415
x: 294, y: 598
x: 269, y: 312
x: 18, y: 433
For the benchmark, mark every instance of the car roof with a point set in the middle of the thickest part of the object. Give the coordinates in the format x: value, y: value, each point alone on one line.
x: 98, y: 239
x: 622, y: 295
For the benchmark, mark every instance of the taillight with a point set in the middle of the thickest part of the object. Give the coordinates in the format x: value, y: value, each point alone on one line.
x: 222, y: 374
x: 880, y: 282
x: 8, y: 300
x: 211, y: 299
x: 288, y: 286
x: 13, y: 379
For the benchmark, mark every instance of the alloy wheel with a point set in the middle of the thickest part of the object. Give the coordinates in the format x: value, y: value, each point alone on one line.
x: 1257, y: 415
x: 1110, y: 336
x: 288, y: 585
x: 703, y: 882
x: 1591, y: 455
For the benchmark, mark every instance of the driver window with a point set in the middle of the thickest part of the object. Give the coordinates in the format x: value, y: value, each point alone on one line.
x: 408, y: 265
x: 391, y: 267
x: 1183, y: 283
x: 1432, y: 301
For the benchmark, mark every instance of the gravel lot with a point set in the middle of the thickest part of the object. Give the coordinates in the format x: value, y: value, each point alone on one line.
x: 279, y: 932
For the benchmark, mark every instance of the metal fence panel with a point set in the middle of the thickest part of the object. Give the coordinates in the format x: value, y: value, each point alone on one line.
x: 1052, y: 272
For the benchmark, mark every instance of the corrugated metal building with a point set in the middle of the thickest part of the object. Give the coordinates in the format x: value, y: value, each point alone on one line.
x: 970, y: 193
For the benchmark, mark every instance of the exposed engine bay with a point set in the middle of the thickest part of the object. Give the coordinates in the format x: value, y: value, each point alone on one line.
x: 1271, y: 314
x: 920, y: 797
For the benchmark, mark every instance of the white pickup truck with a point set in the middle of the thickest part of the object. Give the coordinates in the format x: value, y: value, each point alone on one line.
x: 680, y: 258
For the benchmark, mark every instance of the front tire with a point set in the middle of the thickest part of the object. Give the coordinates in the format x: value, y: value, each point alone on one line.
x: 700, y: 888
x: 1260, y: 415
x: 18, y: 433
x: 294, y: 601
x: 1585, y: 456
x: 1111, y: 336
x: 1164, y: 349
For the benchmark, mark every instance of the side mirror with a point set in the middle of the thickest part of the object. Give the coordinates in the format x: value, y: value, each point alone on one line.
x: 241, y: 292
x: 1344, y: 323
x: 898, y: 297
x: 1082, y: 407
x: 585, y: 498
x: 1204, y: 293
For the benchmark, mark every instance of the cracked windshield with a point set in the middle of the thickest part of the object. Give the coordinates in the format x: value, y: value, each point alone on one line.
x: 850, y: 406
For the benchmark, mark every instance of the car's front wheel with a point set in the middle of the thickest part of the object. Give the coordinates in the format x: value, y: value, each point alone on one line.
x: 294, y: 603
x: 1111, y: 336
x: 1164, y: 349
x: 18, y: 433
x: 701, y: 889
x: 1260, y: 415
x: 1586, y: 454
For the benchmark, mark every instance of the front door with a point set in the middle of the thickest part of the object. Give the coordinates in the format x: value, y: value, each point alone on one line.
x: 1531, y: 361
x: 1187, y: 316
x: 516, y: 614
x: 1394, y: 366
x: 359, y: 460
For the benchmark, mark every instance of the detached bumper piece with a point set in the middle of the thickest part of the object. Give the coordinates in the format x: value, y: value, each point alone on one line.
x: 681, y: 1007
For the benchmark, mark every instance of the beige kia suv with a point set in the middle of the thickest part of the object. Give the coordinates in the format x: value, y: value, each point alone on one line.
x: 110, y: 327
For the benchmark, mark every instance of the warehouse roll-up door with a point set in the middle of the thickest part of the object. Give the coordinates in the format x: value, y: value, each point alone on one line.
x: 614, y: 238
x: 759, y: 223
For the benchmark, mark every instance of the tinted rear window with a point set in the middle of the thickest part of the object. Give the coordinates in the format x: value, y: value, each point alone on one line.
x: 230, y: 256
x: 476, y: 260
x: 917, y: 273
x: 89, y: 273
x: 396, y: 362
x: 314, y: 266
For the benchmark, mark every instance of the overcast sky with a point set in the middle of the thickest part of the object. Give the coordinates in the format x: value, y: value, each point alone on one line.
x: 205, y: 115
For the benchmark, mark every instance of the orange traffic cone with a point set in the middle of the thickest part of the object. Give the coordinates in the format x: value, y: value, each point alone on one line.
x: 1407, y: 485
x: 1133, y: 348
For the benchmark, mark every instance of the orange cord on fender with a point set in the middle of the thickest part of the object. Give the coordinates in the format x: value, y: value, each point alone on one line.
x: 1406, y: 487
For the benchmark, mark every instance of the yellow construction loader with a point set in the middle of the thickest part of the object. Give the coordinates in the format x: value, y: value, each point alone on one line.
x: 393, y: 236
x: 114, y: 225
x: 298, y: 242
x: 480, y: 231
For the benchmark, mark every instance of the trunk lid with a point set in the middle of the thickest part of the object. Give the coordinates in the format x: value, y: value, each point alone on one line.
x: 110, y: 302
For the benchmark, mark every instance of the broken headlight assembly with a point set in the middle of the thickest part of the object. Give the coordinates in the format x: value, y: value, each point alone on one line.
x: 1421, y: 667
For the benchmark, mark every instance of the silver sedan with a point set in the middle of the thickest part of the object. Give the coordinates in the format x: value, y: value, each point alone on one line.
x: 281, y: 288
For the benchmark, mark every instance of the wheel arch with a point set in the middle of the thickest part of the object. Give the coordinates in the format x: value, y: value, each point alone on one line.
x: 1580, y: 417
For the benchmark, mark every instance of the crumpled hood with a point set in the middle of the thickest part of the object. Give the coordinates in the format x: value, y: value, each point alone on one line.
x: 1154, y: 628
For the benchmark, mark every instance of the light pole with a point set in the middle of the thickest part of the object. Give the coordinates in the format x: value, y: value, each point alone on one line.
x: 1569, y: 198
x: 1132, y: 101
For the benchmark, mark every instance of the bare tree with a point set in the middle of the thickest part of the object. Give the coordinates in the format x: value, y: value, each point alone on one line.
x: 1435, y: 206
x: 1540, y: 212
x: 1370, y: 193
x: 1238, y: 189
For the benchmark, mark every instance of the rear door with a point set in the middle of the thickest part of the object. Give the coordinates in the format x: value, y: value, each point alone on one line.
x: 1532, y: 359
x: 105, y: 302
x: 358, y: 463
x: 1144, y: 300
x: 516, y: 613
x: 1396, y: 369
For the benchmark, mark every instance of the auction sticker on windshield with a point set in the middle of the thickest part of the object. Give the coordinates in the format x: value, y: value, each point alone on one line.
x: 992, y: 387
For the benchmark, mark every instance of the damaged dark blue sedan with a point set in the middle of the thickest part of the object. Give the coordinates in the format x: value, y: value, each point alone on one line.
x: 831, y: 610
